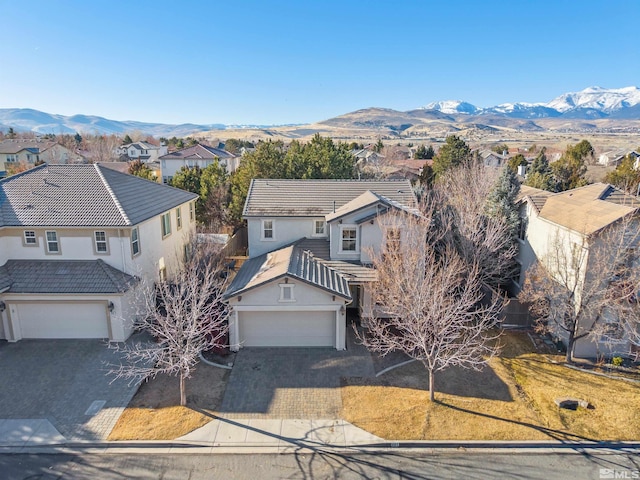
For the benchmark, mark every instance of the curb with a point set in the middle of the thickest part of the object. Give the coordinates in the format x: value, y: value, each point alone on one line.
x: 163, y: 447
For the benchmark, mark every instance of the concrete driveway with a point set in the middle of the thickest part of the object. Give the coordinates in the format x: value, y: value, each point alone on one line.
x: 64, y: 382
x: 302, y: 383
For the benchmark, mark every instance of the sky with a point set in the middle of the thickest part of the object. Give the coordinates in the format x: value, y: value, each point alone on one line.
x: 279, y: 62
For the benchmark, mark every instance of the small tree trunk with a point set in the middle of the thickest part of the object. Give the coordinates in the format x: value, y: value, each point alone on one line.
x: 570, y: 345
x: 432, y: 389
x: 183, y: 393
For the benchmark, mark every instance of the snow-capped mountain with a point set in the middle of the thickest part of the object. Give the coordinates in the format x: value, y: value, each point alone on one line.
x: 592, y: 102
x: 451, y: 107
x: 597, y: 98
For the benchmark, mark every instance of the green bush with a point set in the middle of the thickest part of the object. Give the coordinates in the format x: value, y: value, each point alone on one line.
x: 616, y: 361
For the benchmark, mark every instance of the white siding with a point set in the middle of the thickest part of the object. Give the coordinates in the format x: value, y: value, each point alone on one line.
x: 286, y: 231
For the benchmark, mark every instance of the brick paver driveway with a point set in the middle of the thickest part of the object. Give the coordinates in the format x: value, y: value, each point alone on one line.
x: 60, y: 380
x: 292, y: 382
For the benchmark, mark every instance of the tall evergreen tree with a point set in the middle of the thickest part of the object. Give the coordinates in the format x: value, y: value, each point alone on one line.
x: 453, y: 153
x: 501, y: 202
x: 540, y: 175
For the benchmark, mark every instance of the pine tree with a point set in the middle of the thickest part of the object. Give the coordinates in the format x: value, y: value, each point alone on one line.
x: 501, y: 202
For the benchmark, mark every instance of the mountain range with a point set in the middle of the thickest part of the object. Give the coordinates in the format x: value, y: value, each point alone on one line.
x: 570, y: 111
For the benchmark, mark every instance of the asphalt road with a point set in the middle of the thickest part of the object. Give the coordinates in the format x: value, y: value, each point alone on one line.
x: 397, y: 465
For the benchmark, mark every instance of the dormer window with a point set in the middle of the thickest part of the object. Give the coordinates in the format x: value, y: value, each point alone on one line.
x: 348, y: 238
x: 268, y: 230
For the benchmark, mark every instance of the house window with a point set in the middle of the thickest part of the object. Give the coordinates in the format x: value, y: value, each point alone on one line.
x: 166, y: 224
x: 52, y: 242
x: 522, y: 229
x: 192, y: 211
x: 349, y: 239
x: 30, y: 237
x: 319, y: 228
x: 135, y: 241
x: 268, y: 232
x: 101, y: 242
x: 178, y: 219
x: 286, y: 292
x: 12, y: 158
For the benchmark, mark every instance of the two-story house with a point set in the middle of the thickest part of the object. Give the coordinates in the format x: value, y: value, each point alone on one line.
x: 309, y: 258
x: 198, y: 155
x: 77, y: 241
x: 31, y: 151
x: 144, y: 151
x: 567, y: 227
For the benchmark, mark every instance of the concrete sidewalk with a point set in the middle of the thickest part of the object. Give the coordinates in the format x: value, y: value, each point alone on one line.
x: 279, y: 434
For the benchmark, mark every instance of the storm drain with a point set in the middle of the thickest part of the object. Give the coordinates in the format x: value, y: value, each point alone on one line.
x: 95, y: 407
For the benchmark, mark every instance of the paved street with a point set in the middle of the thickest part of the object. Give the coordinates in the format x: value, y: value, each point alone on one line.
x: 63, y: 382
x: 292, y: 382
x: 412, y: 465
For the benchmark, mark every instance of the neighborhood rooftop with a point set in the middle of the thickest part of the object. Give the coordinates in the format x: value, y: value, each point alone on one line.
x: 63, y: 276
x: 292, y: 261
x: 586, y: 209
x: 281, y: 198
x: 198, y: 151
x: 83, y: 195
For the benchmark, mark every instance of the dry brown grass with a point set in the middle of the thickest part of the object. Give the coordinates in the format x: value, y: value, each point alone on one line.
x: 155, y: 413
x: 512, y: 399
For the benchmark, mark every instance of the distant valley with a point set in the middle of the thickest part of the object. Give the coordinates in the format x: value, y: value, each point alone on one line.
x: 593, y: 110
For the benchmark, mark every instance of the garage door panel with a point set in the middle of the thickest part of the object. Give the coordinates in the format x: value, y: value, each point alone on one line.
x: 288, y: 329
x: 63, y: 320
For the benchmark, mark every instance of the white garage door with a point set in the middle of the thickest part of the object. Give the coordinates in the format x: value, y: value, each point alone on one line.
x: 288, y: 329
x: 63, y: 320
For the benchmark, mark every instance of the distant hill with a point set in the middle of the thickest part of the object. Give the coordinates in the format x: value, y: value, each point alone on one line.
x: 592, y: 109
x: 26, y: 119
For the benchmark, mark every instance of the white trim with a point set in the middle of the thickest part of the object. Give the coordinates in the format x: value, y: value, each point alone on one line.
x: 278, y: 308
x: 314, y: 232
x: 105, y: 241
x: 357, y: 238
x: 57, y: 242
x: 284, y: 286
x: 273, y: 230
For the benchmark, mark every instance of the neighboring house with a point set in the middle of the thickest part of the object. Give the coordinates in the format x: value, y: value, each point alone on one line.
x: 309, y: 244
x: 76, y: 241
x: 197, y: 155
x: 563, y: 221
x: 368, y: 157
x: 32, y: 151
x: 493, y: 159
x: 143, y: 151
x: 611, y: 158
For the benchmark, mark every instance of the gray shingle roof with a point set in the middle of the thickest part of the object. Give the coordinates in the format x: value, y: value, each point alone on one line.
x: 63, y: 276
x: 83, y: 195
x: 282, y: 198
x: 291, y: 261
x: 198, y: 151
x: 17, y: 145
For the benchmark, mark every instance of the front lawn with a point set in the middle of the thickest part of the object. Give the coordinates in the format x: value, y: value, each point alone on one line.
x: 512, y: 399
x: 155, y: 413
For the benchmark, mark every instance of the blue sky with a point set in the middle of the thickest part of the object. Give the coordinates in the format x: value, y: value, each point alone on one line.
x: 274, y: 62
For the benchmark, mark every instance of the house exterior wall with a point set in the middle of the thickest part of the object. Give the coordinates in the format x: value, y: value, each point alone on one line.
x: 369, y: 236
x: 307, y: 299
x: 170, y: 166
x: 286, y: 230
x: 78, y: 244
x: 120, y: 326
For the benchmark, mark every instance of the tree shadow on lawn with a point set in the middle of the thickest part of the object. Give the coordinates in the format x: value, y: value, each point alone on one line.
x: 559, y: 435
x: 484, y: 384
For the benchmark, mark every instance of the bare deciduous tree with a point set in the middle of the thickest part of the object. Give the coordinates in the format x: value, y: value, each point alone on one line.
x: 185, y: 316
x: 588, y: 288
x: 487, y: 241
x: 429, y: 301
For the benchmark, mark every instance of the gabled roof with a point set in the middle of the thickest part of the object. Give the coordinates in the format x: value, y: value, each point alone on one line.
x: 536, y: 196
x: 197, y: 151
x: 290, y: 261
x: 317, y: 198
x: 11, y: 146
x: 63, y: 276
x: 366, y: 200
x: 83, y: 196
x: 588, y: 209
